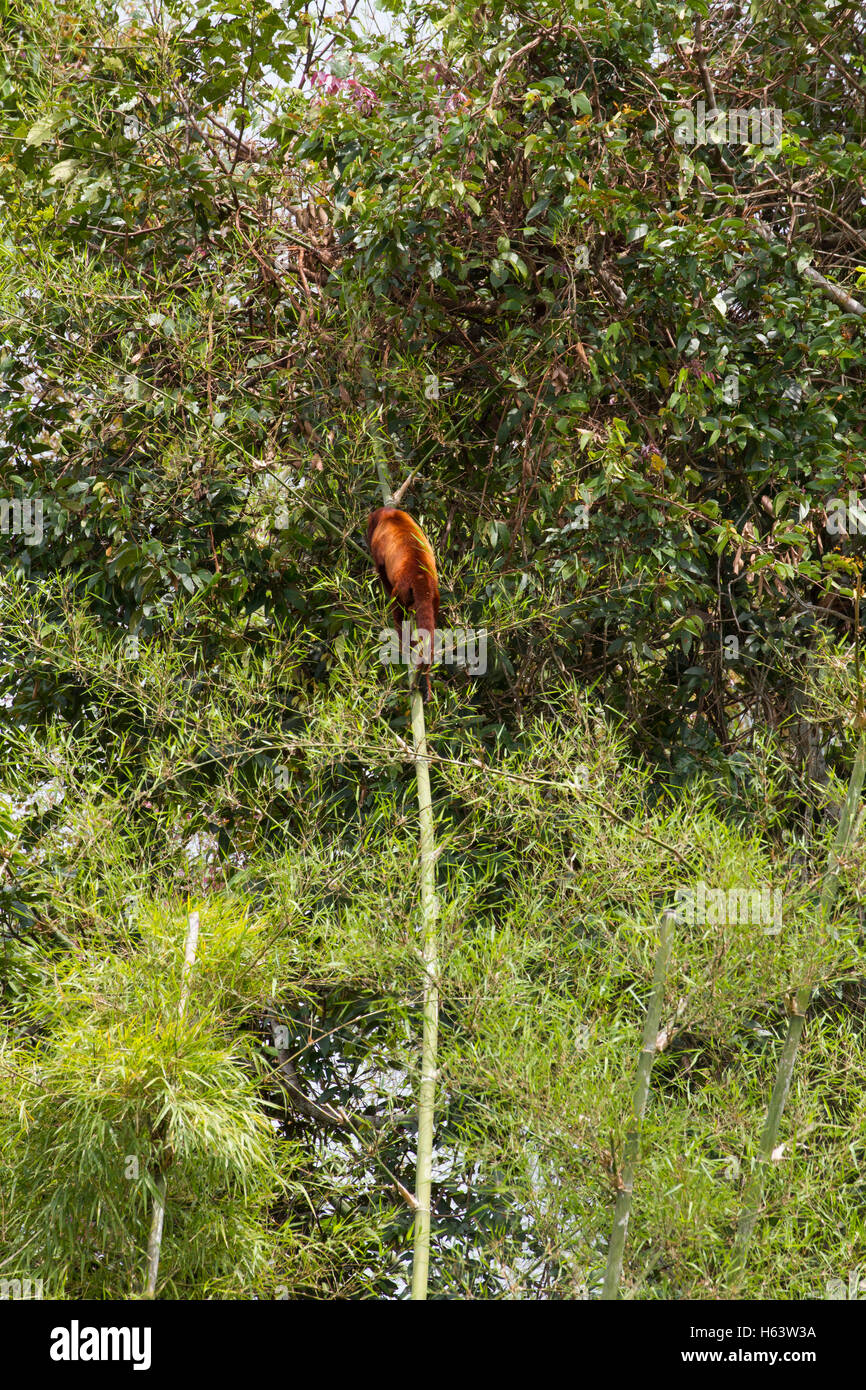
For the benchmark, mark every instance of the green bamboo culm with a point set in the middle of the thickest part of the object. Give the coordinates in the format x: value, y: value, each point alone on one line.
x: 848, y: 818
x: 796, y: 1022
x: 430, y: 1034
x: 429, y: 952
x: 622, y: 1211
x: 374, y: 426
x: 154, y: 1244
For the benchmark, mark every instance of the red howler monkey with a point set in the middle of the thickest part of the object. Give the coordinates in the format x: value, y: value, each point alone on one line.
x: 404, y: 559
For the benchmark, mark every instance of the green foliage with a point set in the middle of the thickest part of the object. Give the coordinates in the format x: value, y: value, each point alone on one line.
x: 245, y: 254
x: 107, y: 1084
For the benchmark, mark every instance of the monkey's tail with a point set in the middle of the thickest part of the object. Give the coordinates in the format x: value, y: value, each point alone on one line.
x: 426, y: 623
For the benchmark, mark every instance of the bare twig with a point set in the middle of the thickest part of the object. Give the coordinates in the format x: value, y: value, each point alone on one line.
x: 404, y: 488
x: 508, y: 64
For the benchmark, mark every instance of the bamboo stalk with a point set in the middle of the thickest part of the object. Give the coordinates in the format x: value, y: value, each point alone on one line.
x: 429, y: 947
x: 384, y: 484
x: 787, y: 1060
x: 379, y: 455
x: 622, y: 1211
x: 154, y: 1244
x: 190, y: 948
x: 157, y: 1222
x: 847, y: 821
x: 785, y: 1072
x: 430, y: 1036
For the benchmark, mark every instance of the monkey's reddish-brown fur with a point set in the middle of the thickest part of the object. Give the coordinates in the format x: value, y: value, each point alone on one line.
x: 404, y: 559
